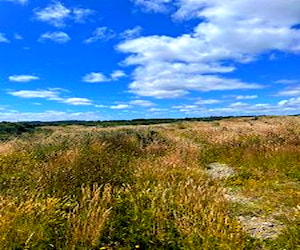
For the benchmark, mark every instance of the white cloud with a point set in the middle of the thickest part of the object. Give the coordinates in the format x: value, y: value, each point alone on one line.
x: 142, y: 103
x: 275, y: 11
x: 154, y: 5
x: 238, y: 105
x: 57, y: 14
x: 23, y: 78
x: 283, y: 107
x: 81, y: 14
x: 101, y: 34
x: 158, y: 110
x: 78, y: 101
x: 47, y: 94
x: 131, y: 33
x: 163, y: 83
x: 292, y: 103
x: 292, y: 87
x: 292, y: 91
x: 234, y: 31
x: 207, y: 101
x: 51, y: 95
x: 134, y: 103
x: 94, y: 77
x: 188, y: 109
x: 160, y: 75
x: 58, y: 37
x: 117, y: 74
x: 3, y: 38
x: 120, y: 106
x: 100, y: 106
x: 246, y: 97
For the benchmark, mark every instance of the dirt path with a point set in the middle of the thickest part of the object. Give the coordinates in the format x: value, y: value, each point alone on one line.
x: 266, y: 227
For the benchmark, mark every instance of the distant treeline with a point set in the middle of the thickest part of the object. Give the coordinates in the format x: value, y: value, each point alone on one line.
x: 11, y: 129
x: 112, y: 123
x: 8, y: 129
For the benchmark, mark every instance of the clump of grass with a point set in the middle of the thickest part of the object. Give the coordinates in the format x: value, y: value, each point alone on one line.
x: 172, y: 205
x: 33, y: 223
x: 89, y: 216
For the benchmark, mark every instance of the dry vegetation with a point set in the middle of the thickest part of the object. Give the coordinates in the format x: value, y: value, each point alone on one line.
x: 148, y: 187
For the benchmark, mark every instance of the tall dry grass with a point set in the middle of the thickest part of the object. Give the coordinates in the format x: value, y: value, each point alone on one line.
x: 146, y: 187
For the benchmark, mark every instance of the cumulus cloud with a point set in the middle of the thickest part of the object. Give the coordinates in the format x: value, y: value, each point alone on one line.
x: 95, y: 77
x: 275, y: 11
x: 78, y: 101
x: 101, y: 34
x: 3, y: 38
x: 57, y: 36
x: 57, y: 14
x: 159, y: 73
x: 23, y: 78
x: 292, y: 103
x: 51, y: 95
x: 164, y: 83
x: 44, y: 94
x: 234, y: 31
x: 117, y: 74
x: 133, y: 103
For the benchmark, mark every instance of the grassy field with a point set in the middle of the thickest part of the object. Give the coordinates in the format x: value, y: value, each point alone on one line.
x: 152, y: 187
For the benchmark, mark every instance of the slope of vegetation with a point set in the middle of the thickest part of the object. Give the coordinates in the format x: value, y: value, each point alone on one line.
x: 12, y: 129
x: 147, y: 187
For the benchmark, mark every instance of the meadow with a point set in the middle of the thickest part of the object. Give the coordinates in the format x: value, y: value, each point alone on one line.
x: 153, y: 186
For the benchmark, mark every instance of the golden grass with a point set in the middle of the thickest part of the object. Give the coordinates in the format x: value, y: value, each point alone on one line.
x: 89, y: 216
x: 147, y: 186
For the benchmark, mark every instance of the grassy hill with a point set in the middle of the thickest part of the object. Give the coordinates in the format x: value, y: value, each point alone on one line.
x: 221, y: 184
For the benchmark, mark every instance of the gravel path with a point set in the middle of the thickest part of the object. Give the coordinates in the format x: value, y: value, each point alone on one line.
x: 258, y: 227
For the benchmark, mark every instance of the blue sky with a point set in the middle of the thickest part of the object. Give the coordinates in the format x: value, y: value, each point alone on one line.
x: 126, y: 59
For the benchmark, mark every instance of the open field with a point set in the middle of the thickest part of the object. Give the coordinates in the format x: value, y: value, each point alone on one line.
x: 227, y: 184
